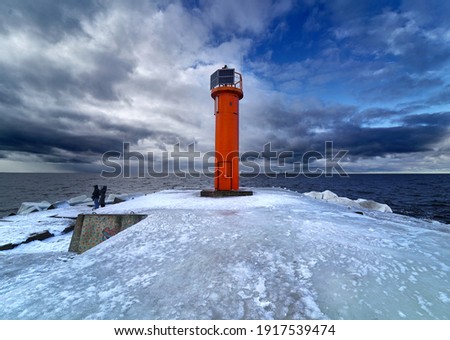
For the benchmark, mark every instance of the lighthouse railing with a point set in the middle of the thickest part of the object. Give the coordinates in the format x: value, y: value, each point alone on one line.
x: 238, y: 80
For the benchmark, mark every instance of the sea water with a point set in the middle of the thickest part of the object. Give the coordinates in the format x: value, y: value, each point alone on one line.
x: 424, y: 196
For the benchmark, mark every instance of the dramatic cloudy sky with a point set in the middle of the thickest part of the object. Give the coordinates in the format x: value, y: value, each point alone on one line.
x: 78, y: 78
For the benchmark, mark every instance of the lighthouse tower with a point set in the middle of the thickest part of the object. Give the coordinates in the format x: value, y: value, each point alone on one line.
x: 226, y: 90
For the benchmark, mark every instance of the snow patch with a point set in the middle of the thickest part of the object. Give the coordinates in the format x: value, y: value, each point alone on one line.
x: 29, y: 207
x: 82, y: 199
x: 330, y: 196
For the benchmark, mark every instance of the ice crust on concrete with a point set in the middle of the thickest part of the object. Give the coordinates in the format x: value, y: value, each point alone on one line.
x: 82, y: 199
x: 330, y: 196
x: 275, y: 255
x: 29, y: 207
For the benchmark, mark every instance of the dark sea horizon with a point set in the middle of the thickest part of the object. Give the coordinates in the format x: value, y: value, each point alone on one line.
x: 425, y: 196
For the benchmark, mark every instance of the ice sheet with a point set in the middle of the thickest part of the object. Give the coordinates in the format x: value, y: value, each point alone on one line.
x: 274, y: 255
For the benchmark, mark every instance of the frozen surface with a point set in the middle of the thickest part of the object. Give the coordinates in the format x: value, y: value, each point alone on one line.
x: 29, y: 207
x: 274, y: 255
x: 330, y: 196
x: 17, y: 229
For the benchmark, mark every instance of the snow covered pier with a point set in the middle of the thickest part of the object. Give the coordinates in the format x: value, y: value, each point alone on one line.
x: 275, y: 255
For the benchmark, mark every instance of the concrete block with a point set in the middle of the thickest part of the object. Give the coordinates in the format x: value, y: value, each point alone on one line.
x: 90, y: 230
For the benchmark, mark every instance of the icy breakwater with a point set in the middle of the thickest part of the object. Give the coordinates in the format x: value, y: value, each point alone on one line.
x: 274, y: 255
x: 29, y: 207
x: 327, y: 195
x: 60, y: 216
x: 38, y: 221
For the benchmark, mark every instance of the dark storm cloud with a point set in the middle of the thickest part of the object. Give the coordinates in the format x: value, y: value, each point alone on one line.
x: 109, y: 71
x: 357, y: 131
x: 437, y: 119
x: 68, y: 136
x: 418, y: 133
x: 371, y: 142
x: 37, y: 75
x: 51, y: 20
x: 41, y: 74
x: 35, y: 135
x: 59, y: 135
x: 442, y: 97
x: 58, y: 62
x: 9, y: 97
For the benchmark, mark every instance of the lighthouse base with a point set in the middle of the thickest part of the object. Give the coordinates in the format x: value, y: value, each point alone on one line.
x: 225, y: 193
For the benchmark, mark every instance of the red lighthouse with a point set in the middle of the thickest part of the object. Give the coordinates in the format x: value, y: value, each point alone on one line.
x: 226, y: 90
